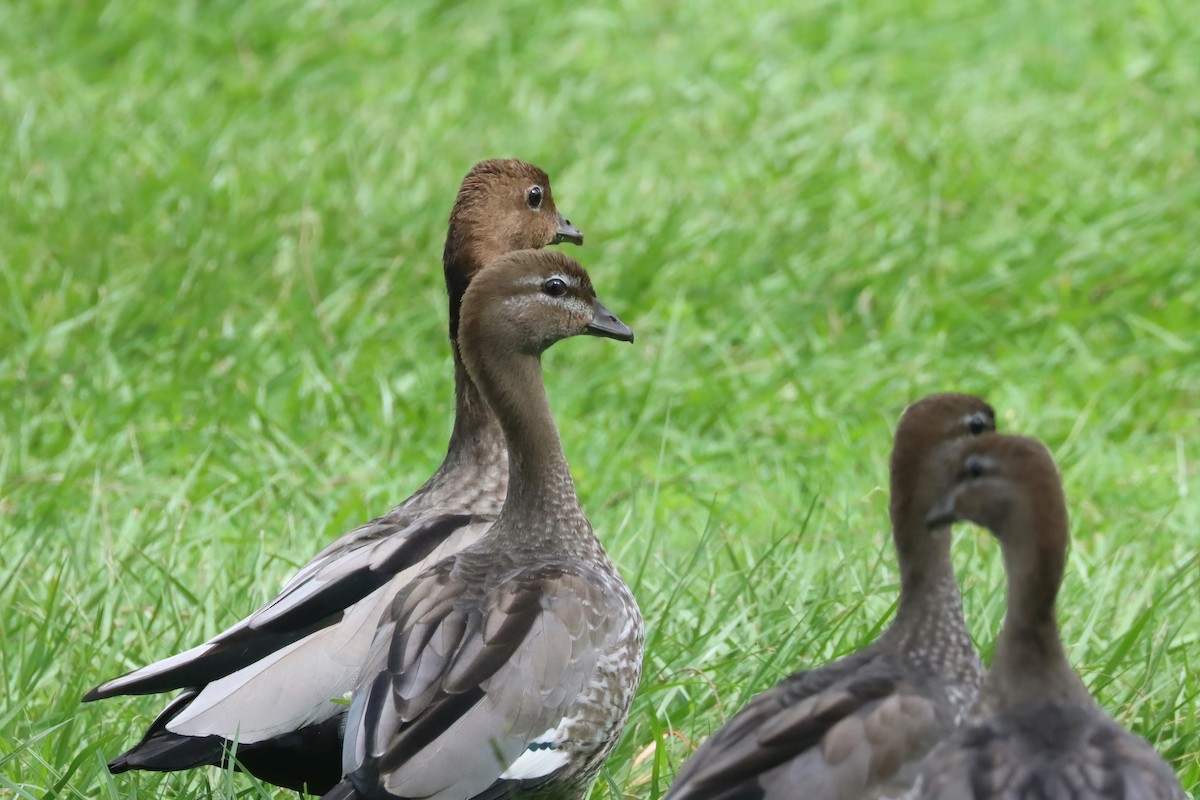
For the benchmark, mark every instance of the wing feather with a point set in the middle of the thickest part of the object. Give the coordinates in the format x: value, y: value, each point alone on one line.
x: 481, y: 664
x: 837, y: 734
x: 1052, y: 751
x: 317, y: 597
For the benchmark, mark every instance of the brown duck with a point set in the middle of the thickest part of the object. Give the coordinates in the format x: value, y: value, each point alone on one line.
x: 507, y: 668
x: 275, y: 681
x: 857, y: 727
x: 1040, y: 733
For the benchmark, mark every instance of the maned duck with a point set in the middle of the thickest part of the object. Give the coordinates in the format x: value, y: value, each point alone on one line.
x: 1038, y: 733
x: 858, y: 726
x: 274, y: 682
x: 507, y: 668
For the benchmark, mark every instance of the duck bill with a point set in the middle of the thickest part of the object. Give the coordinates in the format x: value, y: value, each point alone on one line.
x: 605, y: 323
x: 942, y: 514
x: 567, y: 232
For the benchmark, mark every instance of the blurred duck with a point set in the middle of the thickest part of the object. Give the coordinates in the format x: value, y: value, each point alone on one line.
x: 274, y: 683
x: 1040, y: 734
x: 857, y: 727
x: 507, y: 668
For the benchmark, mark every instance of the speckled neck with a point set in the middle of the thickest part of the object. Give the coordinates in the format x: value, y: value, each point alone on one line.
x: 929, y: 627
x: 477, y: 441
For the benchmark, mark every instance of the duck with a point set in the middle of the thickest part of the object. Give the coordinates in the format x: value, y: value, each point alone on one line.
x: 1037, y: 731
x: 857, y: 727
x: 506, y: 669
x: 271, y: 689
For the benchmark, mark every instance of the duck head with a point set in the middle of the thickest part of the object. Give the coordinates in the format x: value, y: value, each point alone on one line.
x: 1007, y: 484
x: 528, y: 300
x: 502, y: 205
x: 925, y: 426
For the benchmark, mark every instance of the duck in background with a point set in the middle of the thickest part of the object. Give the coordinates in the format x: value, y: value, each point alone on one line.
x: 857, y: 727
x: 272, y: 686
x: 1040, y: 735
x: 507, y: 668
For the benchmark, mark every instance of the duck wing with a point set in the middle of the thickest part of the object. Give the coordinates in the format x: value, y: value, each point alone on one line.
x: 317, y: 597
x: 838, y: 731
x: 1049, y: 751
x: 479, y: 680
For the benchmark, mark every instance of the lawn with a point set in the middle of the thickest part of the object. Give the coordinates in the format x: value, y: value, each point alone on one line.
x: 222, y: 333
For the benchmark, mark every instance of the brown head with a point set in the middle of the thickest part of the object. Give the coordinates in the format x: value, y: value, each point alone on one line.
x: 1009, y: 485
x: 515, y: 308
x: 924, y: 426
x: 502, y: 205
x: 523, y: 302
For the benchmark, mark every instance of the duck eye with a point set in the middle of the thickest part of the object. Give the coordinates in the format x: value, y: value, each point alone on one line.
x: 555, y: 287
x: 974, y: 467
x: 979, y: 422
x: 534, y: 197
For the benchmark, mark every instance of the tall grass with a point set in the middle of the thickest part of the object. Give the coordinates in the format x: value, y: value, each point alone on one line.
x: 222, y: 334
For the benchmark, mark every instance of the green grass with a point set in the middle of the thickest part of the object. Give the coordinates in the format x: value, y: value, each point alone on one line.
x: 222, y: 334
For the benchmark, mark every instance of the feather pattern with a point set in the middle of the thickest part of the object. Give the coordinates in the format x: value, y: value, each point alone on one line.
x: 488, y: 655
x: 266, y: 684
x: 507, y: 668
x: 322, y: 594
x: 1038, y: 733
x: 1050, y: 752
x: 859, y: 726
x: 268, y: 700
x: 855, y: 728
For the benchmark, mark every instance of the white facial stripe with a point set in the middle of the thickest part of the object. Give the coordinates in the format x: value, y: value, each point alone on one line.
x: 534, y: 281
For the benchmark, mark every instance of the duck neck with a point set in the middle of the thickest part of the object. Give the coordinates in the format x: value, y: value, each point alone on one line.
x: 1030, y: 665
x: 541, y: 494
x: 476, y: 441
x: 927, y: 583
x: 929, y: 593
x: 929, y: 625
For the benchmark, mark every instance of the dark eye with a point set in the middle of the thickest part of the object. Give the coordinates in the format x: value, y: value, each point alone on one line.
x: 555, y: 287
x: 979, y: 422
x: 534, y: 197
x: 974, y: 467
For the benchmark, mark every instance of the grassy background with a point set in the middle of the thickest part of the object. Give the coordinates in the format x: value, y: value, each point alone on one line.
x: 221, y: 322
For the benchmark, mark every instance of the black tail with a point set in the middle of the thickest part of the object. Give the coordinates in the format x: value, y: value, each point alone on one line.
x: 309, y: 759
x: 163, y: 751
x: 168, y: 752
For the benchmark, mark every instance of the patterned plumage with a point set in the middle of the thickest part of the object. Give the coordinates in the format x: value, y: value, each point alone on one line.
x: 274, y: 681
x: 508, y: 667
x: 1040, y: 734
x: 857, y: 727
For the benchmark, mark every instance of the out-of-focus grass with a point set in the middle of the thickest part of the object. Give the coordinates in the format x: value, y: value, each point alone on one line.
x: 222, y: 335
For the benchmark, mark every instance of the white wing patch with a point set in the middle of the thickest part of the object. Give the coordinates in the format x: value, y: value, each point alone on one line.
x: 541, y: 758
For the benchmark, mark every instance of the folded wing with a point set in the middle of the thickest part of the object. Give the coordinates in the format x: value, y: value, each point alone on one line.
x: 315, y: 598
x: 834, y: 733
x: 477, y: 680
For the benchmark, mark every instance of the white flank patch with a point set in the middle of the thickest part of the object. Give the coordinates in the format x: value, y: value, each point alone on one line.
x: 537, y: 763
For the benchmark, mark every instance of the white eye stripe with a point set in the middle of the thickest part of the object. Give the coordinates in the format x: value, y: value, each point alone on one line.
x: 521, y: 301
x: 532, y: 280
